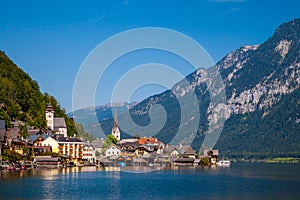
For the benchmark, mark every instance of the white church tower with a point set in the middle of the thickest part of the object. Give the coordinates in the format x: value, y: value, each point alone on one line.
x: 115, y: 130
x: 50, y: 117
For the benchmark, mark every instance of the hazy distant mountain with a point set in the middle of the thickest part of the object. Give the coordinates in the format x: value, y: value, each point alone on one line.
x: 89, y: 117
x: 263, y: 104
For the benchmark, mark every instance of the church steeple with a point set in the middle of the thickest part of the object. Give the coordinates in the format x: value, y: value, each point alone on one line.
x: 115, y: 130
x: 50, y: 116
x: 115, y: 119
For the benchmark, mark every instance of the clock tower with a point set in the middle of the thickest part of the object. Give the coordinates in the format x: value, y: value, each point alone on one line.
x: 50, y: 116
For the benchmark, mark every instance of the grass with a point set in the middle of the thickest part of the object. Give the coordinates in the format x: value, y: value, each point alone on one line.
x: 283, y: 160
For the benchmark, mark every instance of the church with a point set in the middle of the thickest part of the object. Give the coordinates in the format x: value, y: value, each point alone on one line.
x: 115, y: 130
x: 56, y: 124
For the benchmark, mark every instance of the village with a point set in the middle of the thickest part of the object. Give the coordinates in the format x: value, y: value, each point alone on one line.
x: 51, y: 148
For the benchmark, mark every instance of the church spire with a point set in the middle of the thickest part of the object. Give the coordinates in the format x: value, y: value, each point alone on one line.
x: 115, y: 130
x: 115, y: 118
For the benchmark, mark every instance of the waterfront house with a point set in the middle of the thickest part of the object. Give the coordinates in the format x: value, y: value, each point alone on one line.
x: 72, y: 147
x: 175, y: 152
x: 183, y: 161
x: 139, y: 162
x: 149, y: 158
x: 104, y: 162
x: 88, y: 153
x: 180, y: 151
x: 212, y: 155
x: 162, y: 160
x: 116, y: 160
x: 128, y: 160
x: 188, y: 152
x: 47, y: 161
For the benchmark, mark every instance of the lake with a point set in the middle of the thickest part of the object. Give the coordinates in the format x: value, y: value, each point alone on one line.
x: 239, y: 181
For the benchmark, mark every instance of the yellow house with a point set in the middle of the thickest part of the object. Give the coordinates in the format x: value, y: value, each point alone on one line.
x: 50, y: 141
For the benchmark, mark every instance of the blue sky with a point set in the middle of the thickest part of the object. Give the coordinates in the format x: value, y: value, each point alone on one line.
x: 50, y: 39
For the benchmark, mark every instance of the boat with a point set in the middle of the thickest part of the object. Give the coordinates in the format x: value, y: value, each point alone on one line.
x: 5, y: 165
x: 23, y: 167
x: 223, y: 163
x: 11, y: 169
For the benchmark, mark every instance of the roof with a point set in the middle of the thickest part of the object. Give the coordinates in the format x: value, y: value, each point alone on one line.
x: 68, y: 139
x: 115, y: 157
x: 46, y: 159
x: 2, y: 135
x: 39, y: 132
x: 33, y: 138
x: 18, y: 141
x: 49, y: 107
x: 2, y: 125
x: 184, y: 160
x: 128, y: 144
x: 113, y: 145
x: 104, y: 160
x: 59, y: 122
x: 97, y: 143
x: 13, y: 132
x: 130, y: 140
x: 211, y: 152
x: 148, y: 141
x: 88, y: 145
x: 189, y: 150
x: 33, y: 132
x: 139, y: 160
x: 149, y: 149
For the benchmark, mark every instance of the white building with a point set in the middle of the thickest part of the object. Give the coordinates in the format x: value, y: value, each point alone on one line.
x: 50, y: 117
x: 56, y: 124
x: 112, y: 150
x: 88, y: 153
x: 115, y: 130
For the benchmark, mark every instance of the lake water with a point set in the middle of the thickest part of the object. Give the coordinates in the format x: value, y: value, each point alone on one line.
x: 240, y: 181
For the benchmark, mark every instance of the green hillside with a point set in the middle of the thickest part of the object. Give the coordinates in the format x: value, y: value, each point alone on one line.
x: 21, y: 99
x: 271, y: 133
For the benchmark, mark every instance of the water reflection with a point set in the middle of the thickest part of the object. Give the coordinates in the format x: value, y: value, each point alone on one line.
x: 238, y: 181
x: 266, y: 171
x: 285, y: 172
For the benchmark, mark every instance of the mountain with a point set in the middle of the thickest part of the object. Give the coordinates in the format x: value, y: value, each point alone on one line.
x: 21, y: 99
x: 89, y: 117
x: 262, y: 101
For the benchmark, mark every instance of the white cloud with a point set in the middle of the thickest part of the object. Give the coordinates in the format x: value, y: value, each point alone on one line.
x: 230, y: 11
